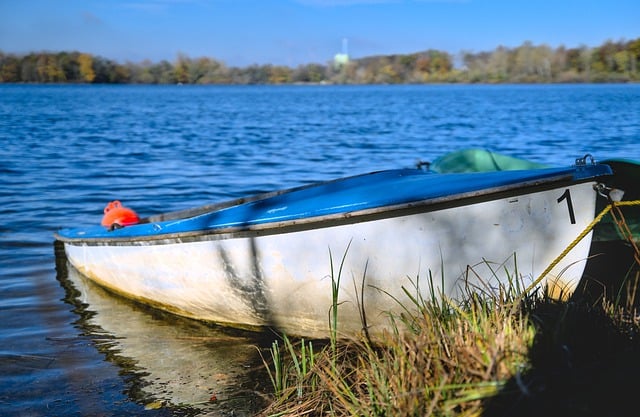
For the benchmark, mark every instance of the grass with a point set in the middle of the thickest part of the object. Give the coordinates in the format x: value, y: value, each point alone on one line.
x: 493, y: 353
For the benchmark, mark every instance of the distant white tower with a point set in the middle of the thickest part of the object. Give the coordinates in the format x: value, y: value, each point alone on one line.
x: 342, y: 59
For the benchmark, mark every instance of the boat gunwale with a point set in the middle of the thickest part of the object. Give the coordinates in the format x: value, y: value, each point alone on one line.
x: 208, y: 208
x: 331, y: 220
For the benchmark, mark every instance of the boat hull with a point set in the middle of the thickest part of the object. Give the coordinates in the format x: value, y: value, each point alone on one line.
x: 285, y: 279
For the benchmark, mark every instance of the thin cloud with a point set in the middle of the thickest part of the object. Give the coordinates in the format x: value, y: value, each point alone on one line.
x: 90, y: 18
x: 330, y: 3
x: 155, y: 6
x: 148, y: 6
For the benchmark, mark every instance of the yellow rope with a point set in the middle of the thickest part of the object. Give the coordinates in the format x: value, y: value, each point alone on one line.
x: 628, y: 203
x: 581, y: 236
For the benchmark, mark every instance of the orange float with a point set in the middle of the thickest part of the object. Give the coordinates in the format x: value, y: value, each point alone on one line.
x: 116, y: 215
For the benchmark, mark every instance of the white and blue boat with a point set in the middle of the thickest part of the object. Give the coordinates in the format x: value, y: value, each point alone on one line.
x: 273, y: 259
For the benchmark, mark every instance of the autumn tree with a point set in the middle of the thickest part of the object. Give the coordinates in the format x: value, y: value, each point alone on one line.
x: 9, y: 68
x: 85, y: 61
x: 181, y: 69
x: 311, y: 73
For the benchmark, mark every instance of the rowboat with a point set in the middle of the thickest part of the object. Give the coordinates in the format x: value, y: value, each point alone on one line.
x: 367, y: 245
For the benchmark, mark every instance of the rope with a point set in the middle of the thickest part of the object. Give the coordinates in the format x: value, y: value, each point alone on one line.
x: 581, y: 236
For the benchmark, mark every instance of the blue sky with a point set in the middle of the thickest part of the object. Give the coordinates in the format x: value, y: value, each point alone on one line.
x: 293, y: 32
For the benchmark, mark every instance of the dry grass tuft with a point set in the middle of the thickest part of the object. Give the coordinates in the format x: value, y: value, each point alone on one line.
x: 443, y: 359
x: 489, y: 355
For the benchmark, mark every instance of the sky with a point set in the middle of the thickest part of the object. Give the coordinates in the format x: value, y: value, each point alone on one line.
x: 296, y: 32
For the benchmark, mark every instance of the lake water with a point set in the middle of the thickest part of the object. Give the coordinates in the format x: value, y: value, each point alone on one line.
x: 68, y: 348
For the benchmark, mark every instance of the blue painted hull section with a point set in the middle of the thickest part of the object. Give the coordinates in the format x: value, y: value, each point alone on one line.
x: 378, y: 190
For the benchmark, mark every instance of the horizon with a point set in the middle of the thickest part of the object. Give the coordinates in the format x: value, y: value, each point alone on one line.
x: 241, y: 33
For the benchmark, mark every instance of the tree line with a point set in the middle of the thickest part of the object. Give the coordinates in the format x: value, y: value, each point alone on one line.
x: 527, y: 63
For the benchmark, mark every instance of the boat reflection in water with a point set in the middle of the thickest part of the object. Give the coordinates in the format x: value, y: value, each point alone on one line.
x: 172, y: 361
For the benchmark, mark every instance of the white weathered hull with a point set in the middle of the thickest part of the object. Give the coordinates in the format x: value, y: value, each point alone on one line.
x: 284, y: 280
